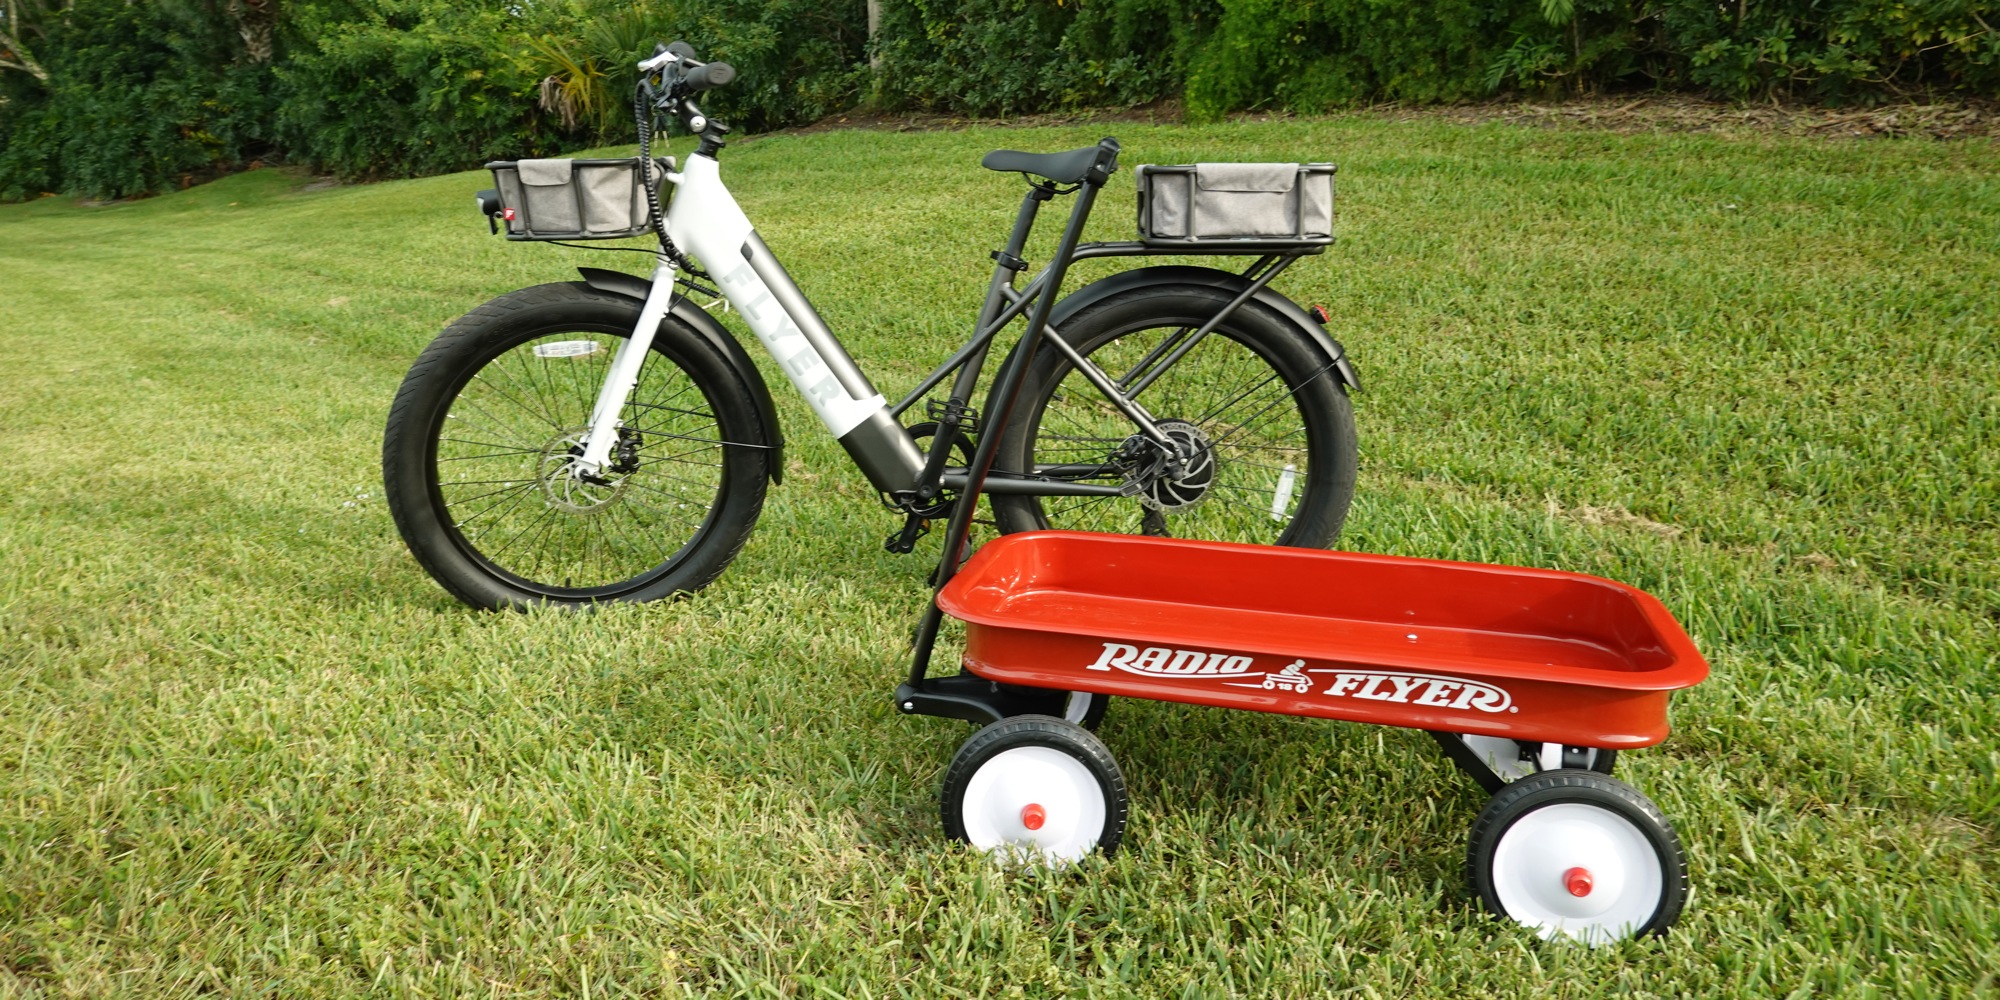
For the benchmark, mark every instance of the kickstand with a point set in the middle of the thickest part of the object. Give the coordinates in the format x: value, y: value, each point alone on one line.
x: 904, y: 541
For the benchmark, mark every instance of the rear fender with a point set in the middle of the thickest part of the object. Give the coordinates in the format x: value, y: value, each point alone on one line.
x: 1183, y: 274
x: 634, y: 287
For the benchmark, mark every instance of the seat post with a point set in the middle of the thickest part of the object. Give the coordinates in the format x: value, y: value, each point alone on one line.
x: 1007, y: 263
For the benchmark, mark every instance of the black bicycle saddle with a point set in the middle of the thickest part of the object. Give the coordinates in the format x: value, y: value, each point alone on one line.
x: 1062, y: 168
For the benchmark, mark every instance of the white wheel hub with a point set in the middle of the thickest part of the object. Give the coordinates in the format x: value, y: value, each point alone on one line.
x: 1034, y: 802
x: 1578, y: 871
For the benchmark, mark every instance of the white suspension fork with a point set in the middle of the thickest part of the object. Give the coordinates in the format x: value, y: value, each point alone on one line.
x: 624, y: 374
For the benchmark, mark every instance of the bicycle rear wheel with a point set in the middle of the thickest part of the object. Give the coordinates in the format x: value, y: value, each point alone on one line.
x: 476, y: 461
x: 1256, y: 403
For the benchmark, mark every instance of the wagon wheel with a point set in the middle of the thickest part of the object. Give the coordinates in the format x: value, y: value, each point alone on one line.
x: 1035, y: 787
x: 1085, y: 708
x: 1576, y: 855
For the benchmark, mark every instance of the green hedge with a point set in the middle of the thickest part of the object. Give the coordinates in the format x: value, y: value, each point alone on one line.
x: 388, y: 88
x: 146, y: 95
x: 139, y: 99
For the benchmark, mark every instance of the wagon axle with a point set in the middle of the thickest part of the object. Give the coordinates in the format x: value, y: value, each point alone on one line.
x: 1577, y: 881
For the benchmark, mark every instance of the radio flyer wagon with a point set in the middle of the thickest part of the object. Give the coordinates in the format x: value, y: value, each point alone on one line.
x: 1531, y: 680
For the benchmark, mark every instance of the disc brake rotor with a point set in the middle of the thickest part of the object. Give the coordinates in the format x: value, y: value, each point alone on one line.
x: 1167, y: 483
x: 562, y: 488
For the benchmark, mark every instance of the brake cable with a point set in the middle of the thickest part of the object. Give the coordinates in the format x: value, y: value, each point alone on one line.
x: 642, y: 111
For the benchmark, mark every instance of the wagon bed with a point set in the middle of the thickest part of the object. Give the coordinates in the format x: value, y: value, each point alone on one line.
x: 1528, y: 654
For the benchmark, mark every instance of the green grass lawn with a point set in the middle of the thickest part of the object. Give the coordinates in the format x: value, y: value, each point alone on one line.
x: 248, y: 748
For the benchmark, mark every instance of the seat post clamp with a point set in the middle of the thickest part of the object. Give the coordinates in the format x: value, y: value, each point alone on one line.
x: 1009, y: 261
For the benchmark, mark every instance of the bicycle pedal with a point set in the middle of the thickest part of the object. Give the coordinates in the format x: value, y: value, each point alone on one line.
x: 954, y: 414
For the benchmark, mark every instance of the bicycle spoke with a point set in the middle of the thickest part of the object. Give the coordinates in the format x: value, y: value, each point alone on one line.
x: 663, y: 513
x: 677, y: 498
x: 486, y: 482
x: 1235, y: 398
x: 543, y: 413
x: 577, y: 534
x: 1079, y: 505
x: 677, y: 479
x: 490, y: 454
x: 484, y: 444
x: 538, y: 550
x: 547, y: 512
x: 512, y: 489
x: 535, y: 385
x: 490, y: 425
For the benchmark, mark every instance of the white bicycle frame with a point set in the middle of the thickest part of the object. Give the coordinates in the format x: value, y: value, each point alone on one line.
x: 705, y: 219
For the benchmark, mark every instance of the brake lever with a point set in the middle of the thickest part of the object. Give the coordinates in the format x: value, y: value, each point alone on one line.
x: 661, y: 57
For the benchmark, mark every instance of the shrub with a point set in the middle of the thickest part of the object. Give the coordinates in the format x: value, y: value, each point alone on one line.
x: 387, y: 88
x: 1012, y: 56
x: 140, y: 97
x: 145, y: 96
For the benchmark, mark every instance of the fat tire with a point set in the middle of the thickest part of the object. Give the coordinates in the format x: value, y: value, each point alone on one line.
x: 1037, y: 730
x: 1328, y: 413
x: 1546, y: 788
x: 447, y: 365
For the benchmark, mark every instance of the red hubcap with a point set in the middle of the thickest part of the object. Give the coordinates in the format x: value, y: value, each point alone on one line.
x: 1577, y: 881
x: 1033, y: 816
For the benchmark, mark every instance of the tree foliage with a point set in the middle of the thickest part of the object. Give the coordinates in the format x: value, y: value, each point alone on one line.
x: 121, y: 97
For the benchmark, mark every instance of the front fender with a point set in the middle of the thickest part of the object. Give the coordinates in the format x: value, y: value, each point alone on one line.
x: 698, y: 319
x: 1183, y: 274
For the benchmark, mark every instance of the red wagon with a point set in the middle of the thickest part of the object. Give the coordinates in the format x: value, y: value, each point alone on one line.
x: 1530, y: 679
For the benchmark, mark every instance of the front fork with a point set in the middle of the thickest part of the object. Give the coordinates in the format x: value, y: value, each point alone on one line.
x: 624, y: 374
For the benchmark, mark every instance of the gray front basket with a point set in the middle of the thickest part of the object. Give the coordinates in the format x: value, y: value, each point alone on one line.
x: 1236, y: 202
x: 574, y: 199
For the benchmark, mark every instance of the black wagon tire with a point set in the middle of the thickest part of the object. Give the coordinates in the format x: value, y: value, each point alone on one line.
x: 1578, y: 855
x: 1034, y: 787
x: 1257, y: 394
x: 480, y: 436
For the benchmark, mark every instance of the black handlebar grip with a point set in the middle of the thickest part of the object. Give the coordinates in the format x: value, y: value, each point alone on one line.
x: 682, y: 49
x: 711, y: 76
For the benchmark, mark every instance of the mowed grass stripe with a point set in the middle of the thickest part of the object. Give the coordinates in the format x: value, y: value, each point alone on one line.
x: 247, y: 747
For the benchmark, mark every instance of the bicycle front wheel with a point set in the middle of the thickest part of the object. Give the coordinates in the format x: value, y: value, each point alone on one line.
x: 1260, y: 416
x: 477, y: 459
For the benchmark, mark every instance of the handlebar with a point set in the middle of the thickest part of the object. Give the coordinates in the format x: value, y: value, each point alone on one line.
x: 709, y: 76
x: 693, y: 75
x: 668, y: 81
